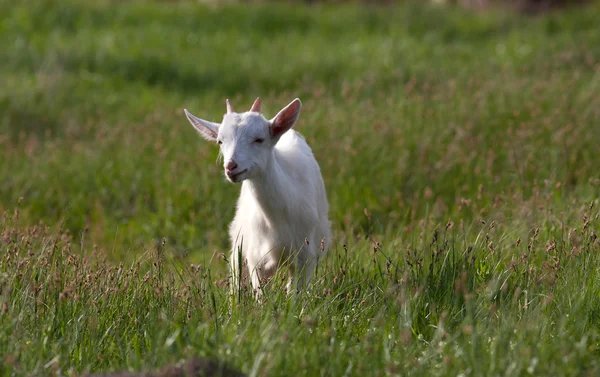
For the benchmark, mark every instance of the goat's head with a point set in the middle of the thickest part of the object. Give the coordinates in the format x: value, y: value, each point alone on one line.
x: 246, y: 139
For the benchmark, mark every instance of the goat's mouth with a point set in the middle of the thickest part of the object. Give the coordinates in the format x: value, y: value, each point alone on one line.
x: 235, y: 177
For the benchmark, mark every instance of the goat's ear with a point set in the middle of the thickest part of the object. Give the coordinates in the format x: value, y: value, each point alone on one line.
x: 285, y: 119
x: 208, y: 130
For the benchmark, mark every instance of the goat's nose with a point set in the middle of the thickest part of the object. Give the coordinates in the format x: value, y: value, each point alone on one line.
x: 231, y: 165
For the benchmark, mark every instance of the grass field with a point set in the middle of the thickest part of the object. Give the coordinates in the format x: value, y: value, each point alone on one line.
x: 459, y: 150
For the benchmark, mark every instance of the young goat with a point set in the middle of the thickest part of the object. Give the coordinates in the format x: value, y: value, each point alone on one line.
x: 282, y: 211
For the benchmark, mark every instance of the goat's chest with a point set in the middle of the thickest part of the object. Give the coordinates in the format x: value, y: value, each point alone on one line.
x: 271, y: 235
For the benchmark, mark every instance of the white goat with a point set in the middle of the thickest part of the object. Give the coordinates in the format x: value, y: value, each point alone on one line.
x: 282, y: 211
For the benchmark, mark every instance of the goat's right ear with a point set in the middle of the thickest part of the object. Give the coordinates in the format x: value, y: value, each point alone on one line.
x: 208, y: 130
x: 285, y: 119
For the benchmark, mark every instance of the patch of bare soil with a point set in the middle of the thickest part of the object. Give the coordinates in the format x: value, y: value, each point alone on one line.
x: 191, y: 368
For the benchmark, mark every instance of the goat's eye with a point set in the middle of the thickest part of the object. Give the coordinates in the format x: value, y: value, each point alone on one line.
x: 219, y: 142
x: 259, y: 140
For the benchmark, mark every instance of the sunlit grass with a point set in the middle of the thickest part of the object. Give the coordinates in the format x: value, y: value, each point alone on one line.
x: 487, y: 299
x: 459, y: 153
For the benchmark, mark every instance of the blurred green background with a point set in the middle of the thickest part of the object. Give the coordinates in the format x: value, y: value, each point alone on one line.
x: 412, y: 110
x: 459, y: 143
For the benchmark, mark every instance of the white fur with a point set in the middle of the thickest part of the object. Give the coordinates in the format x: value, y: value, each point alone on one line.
x: 282, y: 211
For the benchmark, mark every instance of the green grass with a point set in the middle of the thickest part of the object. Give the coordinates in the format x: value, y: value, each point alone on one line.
x: 459, y: 152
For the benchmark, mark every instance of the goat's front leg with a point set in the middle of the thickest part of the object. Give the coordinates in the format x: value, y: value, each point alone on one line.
x: 253, y: 270
x: 305, y: 266
x: 290, y: 283
x: 236, y: 262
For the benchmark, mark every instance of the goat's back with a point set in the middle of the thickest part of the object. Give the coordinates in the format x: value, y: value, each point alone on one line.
x: 297, y: 158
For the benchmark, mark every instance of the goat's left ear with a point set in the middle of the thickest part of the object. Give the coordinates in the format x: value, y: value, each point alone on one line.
x: 285, y: 119
x: 208, y: 130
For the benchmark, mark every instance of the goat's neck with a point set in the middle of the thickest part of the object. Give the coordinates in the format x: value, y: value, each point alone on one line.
x: 268, y: 188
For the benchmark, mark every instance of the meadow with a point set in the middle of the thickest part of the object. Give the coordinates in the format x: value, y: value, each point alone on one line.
x: 459, y: 151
